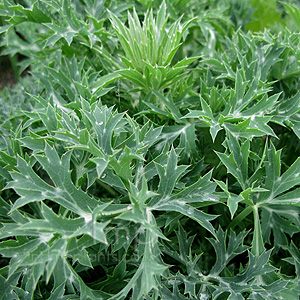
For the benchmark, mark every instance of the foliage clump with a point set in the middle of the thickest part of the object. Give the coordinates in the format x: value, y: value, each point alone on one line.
x: 150, y: 150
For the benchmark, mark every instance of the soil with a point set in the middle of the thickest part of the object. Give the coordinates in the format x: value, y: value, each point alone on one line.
x: 7, y: 77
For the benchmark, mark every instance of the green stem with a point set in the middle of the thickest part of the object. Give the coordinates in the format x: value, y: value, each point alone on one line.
x: 257, y: 244
x: 241, y: 216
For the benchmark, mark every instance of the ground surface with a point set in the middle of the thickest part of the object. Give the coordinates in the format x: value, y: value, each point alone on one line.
x: 7, y: 77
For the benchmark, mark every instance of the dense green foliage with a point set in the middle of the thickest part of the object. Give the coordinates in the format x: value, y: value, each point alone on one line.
x: 151, y: 151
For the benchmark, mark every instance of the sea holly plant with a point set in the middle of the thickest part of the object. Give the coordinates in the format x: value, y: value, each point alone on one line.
x: 149, y: 50
x: 150, y: 150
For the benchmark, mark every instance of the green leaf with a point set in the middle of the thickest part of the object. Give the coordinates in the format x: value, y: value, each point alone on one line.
x: 122, y: 165
x: 195, y: 214
x: 63, y: 192
x: 233, y: 199
x: 169, y: 174
x: 225, y: 252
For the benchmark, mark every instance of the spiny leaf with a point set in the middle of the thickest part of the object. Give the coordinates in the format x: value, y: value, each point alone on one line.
x: 63, y: 192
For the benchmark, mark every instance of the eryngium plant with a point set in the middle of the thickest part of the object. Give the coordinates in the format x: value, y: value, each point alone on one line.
x: 195, y: 196
x: 150, y: 48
